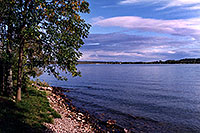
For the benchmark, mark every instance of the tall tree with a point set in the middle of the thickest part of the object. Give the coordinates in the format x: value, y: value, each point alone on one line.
x: 48, y: 35
x: 7, y: 41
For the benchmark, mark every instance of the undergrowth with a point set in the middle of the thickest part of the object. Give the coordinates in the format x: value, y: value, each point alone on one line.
x: 28, y: 115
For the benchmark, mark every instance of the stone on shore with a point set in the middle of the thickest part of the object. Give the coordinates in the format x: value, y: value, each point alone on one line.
x: 69, y: 121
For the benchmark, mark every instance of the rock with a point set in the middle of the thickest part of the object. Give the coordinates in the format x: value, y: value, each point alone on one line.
x: 62, y: 95
x: 126, y: 130
x: 111, y: 122
x: 80, y: 114
x: 49, y: 88
x: 78, y: 118
x: 71, y: 120
x: 42, y: 88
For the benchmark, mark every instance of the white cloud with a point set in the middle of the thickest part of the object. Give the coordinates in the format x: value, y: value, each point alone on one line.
x: 197, y: 7
x: 181, y: 27
x: 182, y: 2
x: 87, y: 56
x: 171, y: 52
x: 125, y: 47
x: 93, y: 44
x: 97, y: 55
x: 129, y: 1
x: 97, y: 18
x: 166, y: 3
x: 156, y: 49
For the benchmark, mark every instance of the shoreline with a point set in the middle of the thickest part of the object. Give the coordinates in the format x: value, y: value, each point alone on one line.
x: 68, y: 121
x: 77, y: 119
x: 86, y: 122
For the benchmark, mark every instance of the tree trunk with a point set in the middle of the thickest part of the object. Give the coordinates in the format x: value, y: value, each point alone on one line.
x: 3, y: 80
x: 2, y: 77
x: 9, y: 80
x: 19, y: 78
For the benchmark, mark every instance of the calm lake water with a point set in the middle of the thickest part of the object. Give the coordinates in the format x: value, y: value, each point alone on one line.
x: 169, y: 94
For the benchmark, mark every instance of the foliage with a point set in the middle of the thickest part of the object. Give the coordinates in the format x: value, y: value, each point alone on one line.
x: 27, y: 115
x: 42, y: 35
x: 53, y: 33
x: 39, y: 83
x: 181, y: 61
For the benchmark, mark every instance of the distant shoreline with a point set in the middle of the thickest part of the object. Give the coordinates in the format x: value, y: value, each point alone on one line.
x: 182, y: 61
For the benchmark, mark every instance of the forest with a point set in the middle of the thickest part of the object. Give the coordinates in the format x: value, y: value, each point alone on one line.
x: 181, y: 61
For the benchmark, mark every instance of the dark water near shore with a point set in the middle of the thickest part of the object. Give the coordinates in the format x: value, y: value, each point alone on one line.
x: 164, y: 93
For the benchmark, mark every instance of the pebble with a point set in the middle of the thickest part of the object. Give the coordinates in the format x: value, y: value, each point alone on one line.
x: 70, y: 122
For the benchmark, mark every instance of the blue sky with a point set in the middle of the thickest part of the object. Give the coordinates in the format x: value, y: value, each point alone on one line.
x: 142, y: 30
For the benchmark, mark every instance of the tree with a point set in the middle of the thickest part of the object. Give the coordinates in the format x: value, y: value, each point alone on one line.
x: 47, y: 34
x: 7, y: 41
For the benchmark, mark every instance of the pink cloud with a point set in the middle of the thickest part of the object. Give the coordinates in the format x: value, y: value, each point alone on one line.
x: 181, y: 27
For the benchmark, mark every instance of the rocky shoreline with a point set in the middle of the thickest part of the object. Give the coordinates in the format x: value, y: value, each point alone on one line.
x: 77, y: 120
x: 72, y: 119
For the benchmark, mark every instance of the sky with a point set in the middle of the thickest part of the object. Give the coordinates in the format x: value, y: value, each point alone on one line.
x: 142, y: 30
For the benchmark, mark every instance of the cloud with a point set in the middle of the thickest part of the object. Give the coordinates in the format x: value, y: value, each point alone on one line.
x: 97, y: 18
x: 124, y: 2
x: 125, y: 47
x: 114, y: 56
x: 166, y: 3
x: 129, y: 1
x: 182, y: 2
x: 93, y: 44
x: 120, y: 42
x: 180, y: 27
x: 109, y: 6
x: 196, y: 7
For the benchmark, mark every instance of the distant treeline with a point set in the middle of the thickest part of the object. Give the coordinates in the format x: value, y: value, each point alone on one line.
x: 182, y: 61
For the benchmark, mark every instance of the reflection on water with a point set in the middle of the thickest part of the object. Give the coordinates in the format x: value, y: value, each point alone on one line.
x: 165, y: 93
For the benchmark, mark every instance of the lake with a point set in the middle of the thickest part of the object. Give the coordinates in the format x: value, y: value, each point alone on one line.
x: 132, y: 94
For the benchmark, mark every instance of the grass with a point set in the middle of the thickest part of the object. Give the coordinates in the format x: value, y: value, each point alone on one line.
x: 28, y: 115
